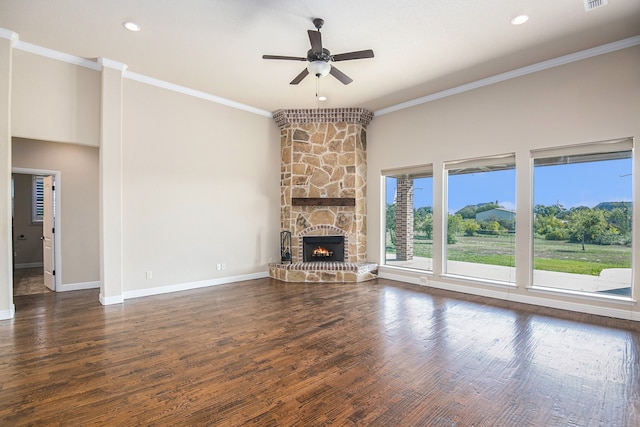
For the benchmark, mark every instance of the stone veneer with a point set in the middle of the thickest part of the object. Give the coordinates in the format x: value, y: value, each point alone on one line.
x: 323, y: 156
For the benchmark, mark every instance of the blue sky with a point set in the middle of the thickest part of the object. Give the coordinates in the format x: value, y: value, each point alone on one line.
x: 581, y: 184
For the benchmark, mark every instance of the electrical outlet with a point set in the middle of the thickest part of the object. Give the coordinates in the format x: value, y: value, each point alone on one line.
x: 218, y: 266
x: 149, y: 275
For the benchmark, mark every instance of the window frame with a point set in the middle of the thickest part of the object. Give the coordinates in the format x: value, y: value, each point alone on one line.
x: 586, y: 152
x: 484, y: 164
x: 411, y: 172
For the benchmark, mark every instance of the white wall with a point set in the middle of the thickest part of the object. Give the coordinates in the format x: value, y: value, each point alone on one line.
x: 200, y: 188
x: 200, y: 179
x: 6, y: 264
x: 591, y: 100
x: 54, y: 101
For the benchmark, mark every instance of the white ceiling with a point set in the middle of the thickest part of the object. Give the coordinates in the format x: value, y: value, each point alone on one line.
x: 421, y: 46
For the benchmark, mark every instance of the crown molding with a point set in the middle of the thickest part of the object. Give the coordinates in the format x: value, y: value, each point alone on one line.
x: 98, y: 64
x: 59, y: 56
x: 101, y: 63
x: 545, y: 65
x: 9, y: 35
x: 114, y: 65
x: 195, y: 93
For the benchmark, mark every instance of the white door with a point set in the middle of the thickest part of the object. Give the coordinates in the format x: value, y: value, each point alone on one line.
x: 48, y: 233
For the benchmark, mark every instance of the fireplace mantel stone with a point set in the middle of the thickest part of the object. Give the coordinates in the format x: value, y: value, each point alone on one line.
x: 323, y: 201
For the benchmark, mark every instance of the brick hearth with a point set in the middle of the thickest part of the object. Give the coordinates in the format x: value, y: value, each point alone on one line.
x: 323, y: 271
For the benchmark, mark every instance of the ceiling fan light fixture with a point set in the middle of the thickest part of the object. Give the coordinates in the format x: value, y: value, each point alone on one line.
x: 319, y: 68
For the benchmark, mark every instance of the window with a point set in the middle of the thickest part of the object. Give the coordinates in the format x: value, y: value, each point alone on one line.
x: 409, y: 218
x: 583, y: 207
x: 480, y: 228
x: 37, y: 198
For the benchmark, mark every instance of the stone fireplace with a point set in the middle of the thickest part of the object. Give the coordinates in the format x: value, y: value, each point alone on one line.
x: 323, y: 192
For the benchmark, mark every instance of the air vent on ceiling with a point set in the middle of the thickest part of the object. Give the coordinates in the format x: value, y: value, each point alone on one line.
x: 594, y: 4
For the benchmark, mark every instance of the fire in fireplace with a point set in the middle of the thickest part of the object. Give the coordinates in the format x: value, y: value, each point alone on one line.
x: 323, y: 248
x: 321, y: 252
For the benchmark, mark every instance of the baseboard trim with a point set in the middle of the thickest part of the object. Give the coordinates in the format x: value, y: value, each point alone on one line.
x: 65, y: 287
x: 29, y: 265
x: 192, y: 285
x: 111, y: 300
x: 8, y: 314
x: 385, y: 274
x: 505, y: 294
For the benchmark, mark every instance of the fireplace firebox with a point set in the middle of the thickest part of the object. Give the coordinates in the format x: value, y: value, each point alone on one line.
x: 323, y: 248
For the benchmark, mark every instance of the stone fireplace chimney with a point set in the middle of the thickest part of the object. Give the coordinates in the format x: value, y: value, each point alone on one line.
x: 323, y: 179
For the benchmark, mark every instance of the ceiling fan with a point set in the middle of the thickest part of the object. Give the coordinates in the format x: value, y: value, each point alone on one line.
x: 319, y: 58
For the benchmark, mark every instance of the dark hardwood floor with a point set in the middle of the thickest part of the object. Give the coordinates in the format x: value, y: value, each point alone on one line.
x: 29, y: 281
x: 268, y: 353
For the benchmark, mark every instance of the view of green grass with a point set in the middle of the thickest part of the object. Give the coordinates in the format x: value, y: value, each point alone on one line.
x: 549, y: 255
x: 570, y: 258
x: 493, y: 250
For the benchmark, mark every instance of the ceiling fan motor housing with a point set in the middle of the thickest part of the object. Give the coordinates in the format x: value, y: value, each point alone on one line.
x: 325, y: 55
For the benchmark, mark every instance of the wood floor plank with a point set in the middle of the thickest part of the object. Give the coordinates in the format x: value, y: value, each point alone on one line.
x: 268, y: 353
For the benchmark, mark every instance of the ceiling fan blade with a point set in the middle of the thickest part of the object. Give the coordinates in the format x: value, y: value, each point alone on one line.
x: 316, y: 41
x: 361, y: 54
x: 340, y: 75
x: 291, y: 58
x: 299, y: 77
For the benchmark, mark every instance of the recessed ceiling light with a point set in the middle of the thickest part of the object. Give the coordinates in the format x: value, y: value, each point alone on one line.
x: 131, y: 26
x: 520, y: 19
x: 322, y: 98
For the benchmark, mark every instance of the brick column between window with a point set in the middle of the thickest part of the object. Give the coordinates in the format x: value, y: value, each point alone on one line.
x: 404, y: 219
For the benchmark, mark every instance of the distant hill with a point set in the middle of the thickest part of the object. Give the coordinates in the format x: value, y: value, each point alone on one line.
x: 608, y: 206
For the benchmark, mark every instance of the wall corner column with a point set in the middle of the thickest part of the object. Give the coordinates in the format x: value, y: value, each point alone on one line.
x: 110, y: 183
x: 7, y: 309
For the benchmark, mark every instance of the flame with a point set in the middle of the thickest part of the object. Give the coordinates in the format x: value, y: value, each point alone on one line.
x: 321, y: 252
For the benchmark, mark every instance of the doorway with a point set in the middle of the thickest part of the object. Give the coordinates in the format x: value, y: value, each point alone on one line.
x: 36, y: 230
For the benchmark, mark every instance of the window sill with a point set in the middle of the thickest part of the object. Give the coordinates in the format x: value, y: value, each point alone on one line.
x: 478, y: 280
x: 583, y: 295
